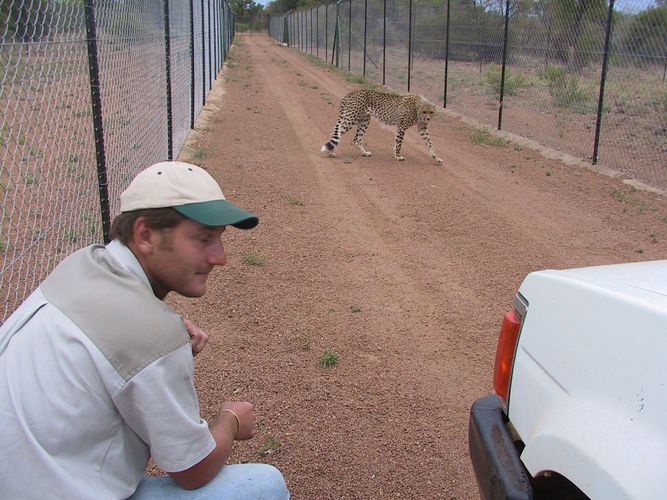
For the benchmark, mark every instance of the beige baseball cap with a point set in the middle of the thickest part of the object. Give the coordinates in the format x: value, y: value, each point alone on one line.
x: 188, y: 189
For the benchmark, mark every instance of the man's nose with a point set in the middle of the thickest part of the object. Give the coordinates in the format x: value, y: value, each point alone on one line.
x: 218, y: 257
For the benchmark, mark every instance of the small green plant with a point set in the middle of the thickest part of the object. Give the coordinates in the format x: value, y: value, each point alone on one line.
x: 355, y: 309
x: 198, y: 153
x: 294, y: 201
x: 3, y: 246
x: 355, y: 79
x: 254, y: 260
x: 620, y: 195
x: 329, y: 358
x: 272, y: 445
x: 30, y: 179
x: 661, y: 101
x: 482, y: 136
x: 565, y: 91
x: 512, y: 84
x: 71, y: 235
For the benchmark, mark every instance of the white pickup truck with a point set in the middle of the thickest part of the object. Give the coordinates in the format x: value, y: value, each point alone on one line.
x: 580, y: 409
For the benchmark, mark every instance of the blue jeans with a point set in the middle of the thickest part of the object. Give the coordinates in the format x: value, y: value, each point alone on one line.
x: 234, y: 482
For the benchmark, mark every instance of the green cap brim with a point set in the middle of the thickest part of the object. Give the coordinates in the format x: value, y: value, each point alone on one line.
x: 218, y: 213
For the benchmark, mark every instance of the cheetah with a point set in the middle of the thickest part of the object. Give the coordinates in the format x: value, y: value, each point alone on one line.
x: 357, y: 107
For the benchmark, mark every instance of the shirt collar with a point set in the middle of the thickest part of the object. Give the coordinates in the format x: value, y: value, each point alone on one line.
x: 126, y: 258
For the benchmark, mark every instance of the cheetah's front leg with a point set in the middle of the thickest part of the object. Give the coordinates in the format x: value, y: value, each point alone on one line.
x: 398, y: 143
x: 424, y: 133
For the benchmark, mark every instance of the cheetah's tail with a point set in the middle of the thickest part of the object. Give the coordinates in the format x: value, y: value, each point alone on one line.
x: 329, y: 146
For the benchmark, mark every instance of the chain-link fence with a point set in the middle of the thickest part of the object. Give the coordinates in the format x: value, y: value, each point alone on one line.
x: 587, y: 77
x: 92, y: 92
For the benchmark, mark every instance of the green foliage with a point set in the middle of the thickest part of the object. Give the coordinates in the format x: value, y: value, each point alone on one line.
x: 576, y: 28
x: 328, y: 359
x: 565, y: 91
x: 272, y: 445
x: 513, y: 81
x: 646, y: 34
x: 484, y: 137
x: 254, y: 260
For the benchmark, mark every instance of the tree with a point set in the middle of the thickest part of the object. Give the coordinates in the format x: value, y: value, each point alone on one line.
x: 576, y: 28
x: 646, y: 35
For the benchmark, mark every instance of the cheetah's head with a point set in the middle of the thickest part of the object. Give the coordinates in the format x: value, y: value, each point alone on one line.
x: 425, y: 111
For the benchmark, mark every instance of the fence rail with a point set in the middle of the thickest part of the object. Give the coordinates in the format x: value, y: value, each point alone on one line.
x: 91, y: 92
x: 586, y: 78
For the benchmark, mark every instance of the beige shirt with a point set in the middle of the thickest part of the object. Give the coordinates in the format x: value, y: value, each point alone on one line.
x: 96, y: 375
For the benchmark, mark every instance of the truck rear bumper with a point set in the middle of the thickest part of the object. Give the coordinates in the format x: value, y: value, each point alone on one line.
x: 498, y: 468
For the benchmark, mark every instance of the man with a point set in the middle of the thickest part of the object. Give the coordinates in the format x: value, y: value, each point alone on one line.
x: 96, y: 371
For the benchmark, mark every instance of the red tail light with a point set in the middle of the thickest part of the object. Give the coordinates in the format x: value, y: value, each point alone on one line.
x: 509, y: 333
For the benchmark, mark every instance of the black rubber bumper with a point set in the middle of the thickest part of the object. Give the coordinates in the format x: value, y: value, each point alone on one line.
x: 498, y: 469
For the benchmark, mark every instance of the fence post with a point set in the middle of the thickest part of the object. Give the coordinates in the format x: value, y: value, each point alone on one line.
x: 603, y: 80
x: 167, y: 68
x: 444, y: 95
x: 311, y: 30
x: 192, y: 65
x: 384, y: 39
x: 409, y: 43
x: 326, y: 29
x: 349, y: 36
x: 502, y: 71
x: 365, y: 31
x: 96, y: 101
x: 223, y: 33
x: 211, y: 63
x: 317, y: 30
x: 203, y: 57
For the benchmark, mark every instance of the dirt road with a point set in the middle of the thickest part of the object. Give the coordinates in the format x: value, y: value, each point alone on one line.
x: 402, y: 270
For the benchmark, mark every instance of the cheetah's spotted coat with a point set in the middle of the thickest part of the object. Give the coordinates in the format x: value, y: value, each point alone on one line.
x: 357, y: 107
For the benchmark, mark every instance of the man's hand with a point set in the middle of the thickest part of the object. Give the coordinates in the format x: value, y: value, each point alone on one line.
x: 198, y: 337
x: 245, y: 412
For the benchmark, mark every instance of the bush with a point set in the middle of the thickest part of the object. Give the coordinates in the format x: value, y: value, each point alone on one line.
x: 513, y: 81
x: 566, y: 92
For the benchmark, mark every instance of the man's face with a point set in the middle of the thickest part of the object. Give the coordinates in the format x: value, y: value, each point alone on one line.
x: 183, y: 257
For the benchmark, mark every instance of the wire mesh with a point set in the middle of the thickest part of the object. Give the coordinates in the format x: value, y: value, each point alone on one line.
x: 49, y: 185
x: 553, y: 80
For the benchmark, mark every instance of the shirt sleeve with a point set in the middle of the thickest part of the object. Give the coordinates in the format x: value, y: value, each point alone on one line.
x: 160, y: 404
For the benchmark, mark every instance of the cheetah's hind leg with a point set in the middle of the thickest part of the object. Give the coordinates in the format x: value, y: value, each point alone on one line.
x: 359, y: 136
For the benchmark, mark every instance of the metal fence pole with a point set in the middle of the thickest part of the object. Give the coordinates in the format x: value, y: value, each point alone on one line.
x: 502, y: 71
x: 409, y: 43
x: 167, y: 68
x: 192, y: 65
x: 384, y: 39
x: 317, y: 29
x: 210, y: 49
x: 365, y: 31
x: 603, y: 80
x: 203, y: 57
x: 326, y: 29
x: 96, y: 101
x: 444, y: 95
x: 349, y: 36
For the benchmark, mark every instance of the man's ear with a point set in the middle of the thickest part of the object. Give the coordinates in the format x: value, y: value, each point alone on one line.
x: 144, y: 238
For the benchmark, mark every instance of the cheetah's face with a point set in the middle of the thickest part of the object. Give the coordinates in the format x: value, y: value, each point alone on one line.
x: 426, y: 112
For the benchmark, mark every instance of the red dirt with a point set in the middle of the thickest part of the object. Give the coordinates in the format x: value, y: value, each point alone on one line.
x: 403, y: 269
